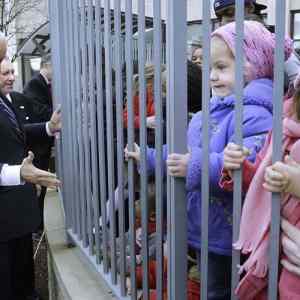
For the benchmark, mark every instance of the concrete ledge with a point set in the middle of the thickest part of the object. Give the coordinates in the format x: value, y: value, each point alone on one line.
x: 69, y: 276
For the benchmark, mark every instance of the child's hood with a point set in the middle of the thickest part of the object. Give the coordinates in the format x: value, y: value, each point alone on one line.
x: 257, y: 92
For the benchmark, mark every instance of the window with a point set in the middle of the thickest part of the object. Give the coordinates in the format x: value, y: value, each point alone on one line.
x: 295, y: 29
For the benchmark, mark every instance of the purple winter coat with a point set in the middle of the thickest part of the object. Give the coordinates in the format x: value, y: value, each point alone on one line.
x: 257, y: 121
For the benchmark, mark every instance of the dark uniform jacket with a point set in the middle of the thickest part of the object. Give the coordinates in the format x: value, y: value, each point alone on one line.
x: 39, y: 95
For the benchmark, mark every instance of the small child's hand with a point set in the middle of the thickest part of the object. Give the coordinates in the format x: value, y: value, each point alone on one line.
x: 283, y: 177
x: 234, y: 155
x: 177, y: 164
x: 136, y: 154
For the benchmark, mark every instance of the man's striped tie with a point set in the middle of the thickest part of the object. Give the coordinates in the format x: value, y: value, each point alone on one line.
x: 11, y: 115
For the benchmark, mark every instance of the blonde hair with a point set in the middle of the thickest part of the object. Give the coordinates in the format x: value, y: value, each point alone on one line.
x: 149, y: 78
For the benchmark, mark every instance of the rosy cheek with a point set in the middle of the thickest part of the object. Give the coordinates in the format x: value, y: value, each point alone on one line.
x: 249, y: 73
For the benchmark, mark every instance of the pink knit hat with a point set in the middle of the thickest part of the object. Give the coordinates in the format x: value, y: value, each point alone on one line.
x: 259, y: 47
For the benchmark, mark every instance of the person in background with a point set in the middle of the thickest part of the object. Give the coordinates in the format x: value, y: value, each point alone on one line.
x: 225, y: 11
x: 38, y: 90
x: 195, y: 51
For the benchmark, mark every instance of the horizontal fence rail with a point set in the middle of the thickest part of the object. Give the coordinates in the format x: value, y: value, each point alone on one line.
x: 125, y: 85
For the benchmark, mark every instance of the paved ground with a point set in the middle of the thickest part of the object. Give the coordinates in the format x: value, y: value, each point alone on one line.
x: 41, y: 269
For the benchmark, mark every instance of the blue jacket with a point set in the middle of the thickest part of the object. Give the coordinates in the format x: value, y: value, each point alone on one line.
x: 257, y: 121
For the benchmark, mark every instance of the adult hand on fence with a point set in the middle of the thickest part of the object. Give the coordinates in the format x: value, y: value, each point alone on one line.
x: 177, y: 164
x: 135, y: 154
x: 55, y: 121
x: 234, y: 155
x: 283, y: 177
x: 150, y: 122
x: 30, y: 173
x: 291, y: 247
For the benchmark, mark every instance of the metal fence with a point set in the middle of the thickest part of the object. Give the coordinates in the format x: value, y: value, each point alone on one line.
x: 99, y: 187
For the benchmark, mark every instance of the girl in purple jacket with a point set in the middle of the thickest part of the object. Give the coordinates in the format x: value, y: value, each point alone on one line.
x: 258, y: 46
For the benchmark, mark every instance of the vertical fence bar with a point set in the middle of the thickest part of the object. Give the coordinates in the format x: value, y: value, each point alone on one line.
x: 237, y: 190
x: 205, y: 146
x: 169, y: 140
x: 101, y: 134
x: 86, y: 136
x: 67, y: 147
x: 71, y: 122
x: 81, y: 179
x: 92, y: 112
x: 277, y: 146
x: 110, y: 136
x: 158, y: 147
x: 57, y: 87
x: 120, y: 139
x: 77, y: 124
x: 130, y: 134
x: 143, y: 144
x: 65, y: 131
x: 177, y: 99
x: 87, y: 128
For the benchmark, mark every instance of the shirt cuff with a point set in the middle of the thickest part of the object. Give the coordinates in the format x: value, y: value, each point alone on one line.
x: 10, y: 175
x: 48, y: 129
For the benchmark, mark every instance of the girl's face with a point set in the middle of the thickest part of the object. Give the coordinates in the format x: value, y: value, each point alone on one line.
x: 222, y: 72
x: 197, y: 56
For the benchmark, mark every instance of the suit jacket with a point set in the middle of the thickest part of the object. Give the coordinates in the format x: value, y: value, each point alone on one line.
x: 23, y: 106
x: 40, y: 109
x: 19, y: 212
x: 39, y: 93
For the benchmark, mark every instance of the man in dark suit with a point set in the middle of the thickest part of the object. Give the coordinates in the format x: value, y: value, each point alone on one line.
x: 19, y: 212
x: 25, y: 109
x: 38, y: 91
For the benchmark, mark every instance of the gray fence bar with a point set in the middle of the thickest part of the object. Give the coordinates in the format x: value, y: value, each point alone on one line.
x: 79, y: 114
x: 130, y: 134
x: 110, y: 136
x: 101, y: 136
x: 72, y: 123
x: 93, y: 130
x: 159, y: 189
x: 85, y: 131
x: 77, y: 124
x: 205, y: 146
x: 120, y: 138
x: 177, y: 11
x: 277, y: 147
x: 143, y: 145
x: 57, y: 90
x: 65, y: 120
x: 68, y: 119
x: 238, y: 119
x: 73, y: 120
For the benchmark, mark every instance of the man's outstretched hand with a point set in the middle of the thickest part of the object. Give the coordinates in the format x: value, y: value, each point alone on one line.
x: 30, y: 173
